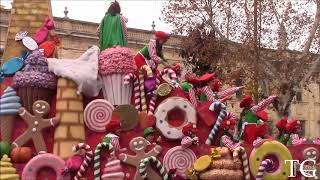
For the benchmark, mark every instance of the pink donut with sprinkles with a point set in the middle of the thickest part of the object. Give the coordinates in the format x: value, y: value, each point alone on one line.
x: 179, y: 158
x: 97, y: 115
x: 40, y: 161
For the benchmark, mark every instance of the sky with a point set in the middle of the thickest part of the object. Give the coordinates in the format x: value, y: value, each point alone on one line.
x: 140, y: 13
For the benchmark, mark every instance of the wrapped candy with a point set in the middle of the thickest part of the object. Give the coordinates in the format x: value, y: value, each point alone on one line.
x: 27, y: 41
x: 42, y: 33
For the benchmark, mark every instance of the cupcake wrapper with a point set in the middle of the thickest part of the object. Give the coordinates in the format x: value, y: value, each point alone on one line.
x: 29, y: 95
x: 115, y: 91
x: 7, y: 123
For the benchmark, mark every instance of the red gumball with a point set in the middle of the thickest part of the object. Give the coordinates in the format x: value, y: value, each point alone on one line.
x: 21, y: 154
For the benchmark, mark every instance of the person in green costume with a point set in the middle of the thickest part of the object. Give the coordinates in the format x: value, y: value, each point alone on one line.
x: 251, y: 126
x: 113, y: 29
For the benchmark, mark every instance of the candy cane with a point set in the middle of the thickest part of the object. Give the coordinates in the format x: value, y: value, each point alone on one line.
x: 264, y: 165
x: 193, y: 98
x: 221, y: 116
x: 86, y: 161
x: 241, y: 150
x: 97, y: 152
x: 129, y: 77
x: 143, y: 100
x: 153, y: 99
x: 143, y: 167
x: 172, y: 75
x: 136, y: 89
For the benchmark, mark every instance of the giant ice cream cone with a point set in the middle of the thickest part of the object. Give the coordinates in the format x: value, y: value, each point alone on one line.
x: 34, y: 82
x: 9, y: 107
x: 114, y: 64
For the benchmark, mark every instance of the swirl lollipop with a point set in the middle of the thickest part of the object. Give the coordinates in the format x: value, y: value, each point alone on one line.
x: 98, y: 114
x: 179, y: 158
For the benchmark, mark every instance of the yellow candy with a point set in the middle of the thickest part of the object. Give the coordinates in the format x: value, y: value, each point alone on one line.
x: 5, y: 164
x: 9, y: 177
x: 7, y: 170
x: 164, y: 89
x: 191, y: 174
x: 202, y: 163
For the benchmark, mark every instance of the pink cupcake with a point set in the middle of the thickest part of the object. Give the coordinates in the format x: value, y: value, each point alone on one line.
x: 113, y: 170
x: 114, y: 64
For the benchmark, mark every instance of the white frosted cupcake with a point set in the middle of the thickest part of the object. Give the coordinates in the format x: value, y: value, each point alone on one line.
x: 114, y: 64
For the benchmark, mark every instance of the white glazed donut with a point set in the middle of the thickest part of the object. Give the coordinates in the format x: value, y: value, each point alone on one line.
x: 161, y: 114
x: 40, y: 161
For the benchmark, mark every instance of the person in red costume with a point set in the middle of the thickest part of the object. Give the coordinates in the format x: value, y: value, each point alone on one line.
x: 251, y: 124
x: 152, y: 54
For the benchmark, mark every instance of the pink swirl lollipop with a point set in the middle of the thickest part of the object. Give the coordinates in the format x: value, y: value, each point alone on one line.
x: 98, y: 114
x: 179, y: 158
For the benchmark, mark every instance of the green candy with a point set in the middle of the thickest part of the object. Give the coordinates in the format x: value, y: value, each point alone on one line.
x: 5, y: 148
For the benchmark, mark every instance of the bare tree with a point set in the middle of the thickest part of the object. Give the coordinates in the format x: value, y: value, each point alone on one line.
x: 272, y: 44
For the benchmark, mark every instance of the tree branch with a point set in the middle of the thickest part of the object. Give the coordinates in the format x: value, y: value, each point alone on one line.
x: 313, y: 30
x: 311, y: 70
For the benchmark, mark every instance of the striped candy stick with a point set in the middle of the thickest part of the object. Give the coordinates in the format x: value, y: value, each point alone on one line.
x: 153, y: 99
x: 228, y: 92
x: 214, y: 106
x: 263, y: 104
x: 264, y: 165
x: 227, y: 142
x: 172, y: 75
x: 136, y: 89
x: 244, y: 157
x: 147, y: 69
x: 87, y: 160
x: 193, y: 97
x: 97, y: 153
x: 143, y: 167
x: 209, y: 93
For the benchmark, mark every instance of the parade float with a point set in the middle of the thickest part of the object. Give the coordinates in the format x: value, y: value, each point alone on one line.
x: 139, y: 121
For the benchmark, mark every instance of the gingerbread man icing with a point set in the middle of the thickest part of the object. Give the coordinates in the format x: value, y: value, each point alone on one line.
x: 139, y: 145
x: 36, y: 123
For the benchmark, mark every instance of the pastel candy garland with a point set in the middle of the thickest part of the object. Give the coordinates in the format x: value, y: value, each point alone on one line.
x: 87, y: 160
x: 221, y: 116
x: 143, y: 167
x: 264, y: 165
x: 244, y: 157
x: 97, y: 153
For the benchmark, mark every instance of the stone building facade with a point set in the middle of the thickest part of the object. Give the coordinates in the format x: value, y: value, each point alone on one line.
x: 77, y: 36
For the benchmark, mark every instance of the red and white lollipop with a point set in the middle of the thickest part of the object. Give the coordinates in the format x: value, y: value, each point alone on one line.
x: 179, y: 158
x: 97, y: 114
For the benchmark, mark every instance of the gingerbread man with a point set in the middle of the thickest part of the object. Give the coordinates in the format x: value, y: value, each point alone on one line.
x: 36, y: 123
x: 139, y: 145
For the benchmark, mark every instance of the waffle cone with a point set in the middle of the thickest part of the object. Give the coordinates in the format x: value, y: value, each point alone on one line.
x: 6, y: 124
